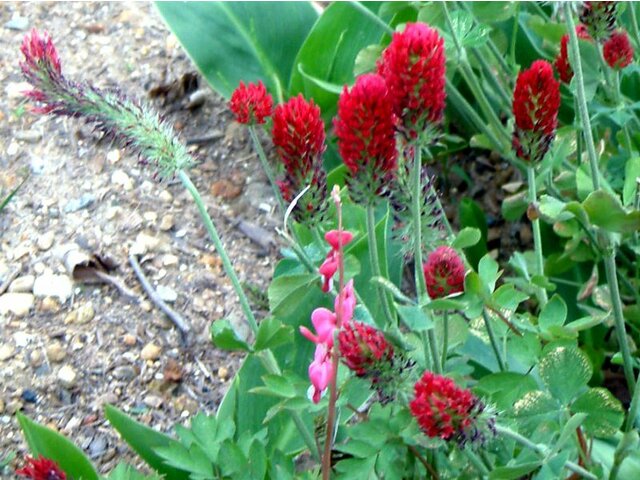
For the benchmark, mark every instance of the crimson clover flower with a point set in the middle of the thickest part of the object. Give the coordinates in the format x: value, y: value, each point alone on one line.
x: 41, y: 469
x: 365, y: 127
x: 363, y: 348
x: 299, y: 137
x: 444, y: 272
x: 536, y: 100
x: 413, y: 66
x: 251, y: 103
x: 444, y: 410
x: 617, y: 50
x: 133, y: 124
x: 562, y: 60
x: 599, y: 18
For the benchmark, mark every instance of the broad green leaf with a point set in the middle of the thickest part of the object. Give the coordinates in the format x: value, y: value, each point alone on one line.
x: 272, y: 333
x: 329, y: 52
x: 357, y: 468
x: 554, y: 313
x: 50, y: 444
x: 569, y: 430
x: 144, y: 440
x: 471, y: 215
x: 565, y: 371
x: 277, y: 386
x: 287, y: 292
x: 605, y: 412
x: 606, y: 211
x: 488, y: 271
x: 191, y: 458
x: 225, y: 337
x: 414, y: 318
x: 631, y: 176
x: 323, y: 84
x: 536, y: 407
x: 366, y: 60
x: 506, y: 296
x: 127, y: 472
x: 505, y: 388
x: 233, y: 41
x: 467, y: 237
x: 493, y: 12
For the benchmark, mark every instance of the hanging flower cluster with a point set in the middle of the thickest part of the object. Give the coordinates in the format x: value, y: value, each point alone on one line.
x: 413, y: 66
x: 536, y: 101
x: 444, y: 273
x: 599, y: 18
x: 562, y: 60
x: 331, y: 263
x: 325, y: 323
x: 298, y: 134
x: 444, y: 410
x: 131, y: 123
x: 251, y: 103
x: 617, y: 50
x: 41, y: 469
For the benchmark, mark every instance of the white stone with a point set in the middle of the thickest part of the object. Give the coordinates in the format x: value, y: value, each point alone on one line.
x: 151, y: 351
x: 45, y: 241
x: 120, y: 177
x: 167, y: 294
x: 6, y: 352
x: 17, y: 303
x: 50, y: 285
x: 67, y: 376
x: 22, y: 339
x: 23, y: 284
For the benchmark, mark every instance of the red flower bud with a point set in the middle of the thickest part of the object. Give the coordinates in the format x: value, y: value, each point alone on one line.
x: 441, y: 408
x: 365, y: 127
x: 413, y: 66
x: 562, y: 60
x: 618, y: 51
x: 444, y: 272
x: 251, y: 103
x: 536, y: 100
x: 41, y: 469
x: 362, y: 347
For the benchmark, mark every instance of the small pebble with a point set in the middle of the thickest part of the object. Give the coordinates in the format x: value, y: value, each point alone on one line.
x: 23, y: 284
x: 223, y: 373
x: 49, y: 304
x: 151, y: 351
x: 50, y: 285
x: 120, y: 178
x: 166, y: 196
x: 167, y: 294
x: 153, y: 401
x: 6, y: 352
x: 166, y: 223
x: 146, y: 306
x: 45, y: 241
x: 29, y: 396
x: 17, y: 303
x: 129, y: 340
x: 67, y: 376
x: 169, y: 260
x: 36, y: 358
x: 56, y: 352
x: 113, y: 156
x: 85, y: 313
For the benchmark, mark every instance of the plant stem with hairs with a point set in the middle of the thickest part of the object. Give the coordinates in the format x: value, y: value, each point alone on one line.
x: 608, y: 247
x: 374, y: 258
x: 535, y: 226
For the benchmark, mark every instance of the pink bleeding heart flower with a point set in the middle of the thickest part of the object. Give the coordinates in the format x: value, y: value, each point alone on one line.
x: 320, y: 371
x: 328, y: 269
x: 348, y: 302
x: 324, y: 322
x: 333, y: 238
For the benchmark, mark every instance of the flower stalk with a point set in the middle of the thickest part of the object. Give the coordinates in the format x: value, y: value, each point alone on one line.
x: 609, y: 249
x: 535, y: 226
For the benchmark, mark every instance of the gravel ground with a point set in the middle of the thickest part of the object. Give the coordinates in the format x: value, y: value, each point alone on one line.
x: 68, y: 347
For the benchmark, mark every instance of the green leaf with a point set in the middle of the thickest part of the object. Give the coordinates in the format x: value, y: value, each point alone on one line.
x: 467, y: 237
x: 488, y: 271
x: 233, y: 41
x: 536, y: 407
x: 505, y: 388
x: 565, y: 371
x: 554, y: 313
x: 392, y: 289
x: 414, y: 318
x: 507, y: 297
x: 324, y: 85
x: 517, y: 471
x: 272, y: 333
x: 631, y: 176
x: 277, y: 386
x: 493, y: 12
x: 471, y: 215
x: 4, y: 202
x: 144, y: 440
x: 225, y: 337
x: 606, y: 211
x: 366, y: 59
x: 329, y: 52
x: 287, y: 292
x: 50, y: 444
x: 605, y: 412
x: 568, y: 431
x: 127, y: 472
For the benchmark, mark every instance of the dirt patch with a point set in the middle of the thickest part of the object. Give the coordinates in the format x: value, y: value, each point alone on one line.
x: 66, y: 348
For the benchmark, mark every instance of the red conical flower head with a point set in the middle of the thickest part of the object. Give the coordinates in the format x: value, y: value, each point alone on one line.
x: 562, y: 60
x: 599, y: 18
x: 441, y: 408
x: 413, y: 66
x: 362, y: 346
x: 536, y: 101
x: 251, y: 103
x: 365, y: 127
x: 618, y: 51
x: 41, y: 469
x: 444, y: 272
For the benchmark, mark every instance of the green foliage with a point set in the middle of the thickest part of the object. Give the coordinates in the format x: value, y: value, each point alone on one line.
x: 50, y: 444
